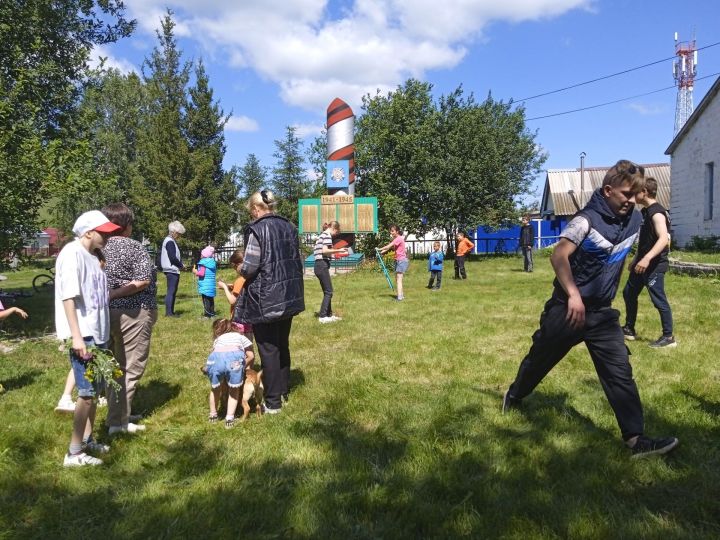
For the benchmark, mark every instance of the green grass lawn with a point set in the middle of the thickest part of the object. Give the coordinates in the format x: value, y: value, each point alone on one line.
x: 393, y: 429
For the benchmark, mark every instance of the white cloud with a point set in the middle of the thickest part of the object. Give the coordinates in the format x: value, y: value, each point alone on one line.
x: 304, y: 131
x: 241, y: 123
x: 101, y: 51
x: 646, y: 110
x: 314, y: 58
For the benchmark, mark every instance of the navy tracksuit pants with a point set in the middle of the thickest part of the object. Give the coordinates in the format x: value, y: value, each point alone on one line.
x: 605, y: 342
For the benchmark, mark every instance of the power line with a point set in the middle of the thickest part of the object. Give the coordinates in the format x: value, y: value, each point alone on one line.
x: 615, y: 101
x: 609, y: 76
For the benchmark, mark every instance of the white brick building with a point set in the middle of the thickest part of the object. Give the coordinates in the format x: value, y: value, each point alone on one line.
x: 695, y: 164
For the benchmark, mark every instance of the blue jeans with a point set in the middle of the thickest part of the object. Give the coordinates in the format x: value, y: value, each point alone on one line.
x: 229, y: 366
x: 84, y: 387
x: 655, y: 284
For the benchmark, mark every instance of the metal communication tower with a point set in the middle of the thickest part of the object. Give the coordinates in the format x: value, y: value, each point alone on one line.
x: 684, y: 71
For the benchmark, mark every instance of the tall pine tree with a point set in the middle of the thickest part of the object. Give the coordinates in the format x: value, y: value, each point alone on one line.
x: 252, y: 177
x: 290, y: 182
x: 214, y: 191
x: 162, y: 189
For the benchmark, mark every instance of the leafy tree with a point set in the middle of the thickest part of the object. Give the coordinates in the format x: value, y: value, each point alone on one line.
x: 44, y: 46
x: 98, y: 160
x: 453, y: 165
x: 395, y: 153
x: 289, y: 181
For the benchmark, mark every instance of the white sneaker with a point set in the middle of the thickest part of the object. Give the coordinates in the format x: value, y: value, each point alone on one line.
x: 336, y: 318
x: 325, y: 320
x: 80, y: 460
x: 130, y: 428
x: 65, y: 405
x: 102, y: 401
x: 269, y: 410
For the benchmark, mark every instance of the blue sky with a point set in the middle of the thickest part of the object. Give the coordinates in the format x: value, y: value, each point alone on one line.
x: 274, y: 63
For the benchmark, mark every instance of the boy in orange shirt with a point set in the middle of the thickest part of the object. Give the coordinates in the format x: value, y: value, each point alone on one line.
x: 464, y: 246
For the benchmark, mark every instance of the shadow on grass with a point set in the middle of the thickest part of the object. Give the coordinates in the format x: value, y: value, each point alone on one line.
x: 710, y: 407
x: 548, y: 472
x: 153, y: 395
x: 18, y: 381
x: 297, y: 378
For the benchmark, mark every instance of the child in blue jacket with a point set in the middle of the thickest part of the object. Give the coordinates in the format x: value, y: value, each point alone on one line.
x: 435, y: 266
x: 205, y: 271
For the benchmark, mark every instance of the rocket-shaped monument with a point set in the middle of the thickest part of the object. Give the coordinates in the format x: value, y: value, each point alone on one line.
x: 341, y: 138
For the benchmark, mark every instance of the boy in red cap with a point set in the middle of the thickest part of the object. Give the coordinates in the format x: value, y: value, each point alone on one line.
x: 82, y: 314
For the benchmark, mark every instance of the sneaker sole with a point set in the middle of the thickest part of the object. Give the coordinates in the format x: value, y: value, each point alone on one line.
x: 669, y: 346
x: 630, y: 338
x: 61, y: 410
x: 659, y: 451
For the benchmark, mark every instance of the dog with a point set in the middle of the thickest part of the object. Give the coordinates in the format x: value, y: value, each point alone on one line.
x: 252, y: 386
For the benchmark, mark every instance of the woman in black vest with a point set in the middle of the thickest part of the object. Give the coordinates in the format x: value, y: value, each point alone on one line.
x: 274, y: 292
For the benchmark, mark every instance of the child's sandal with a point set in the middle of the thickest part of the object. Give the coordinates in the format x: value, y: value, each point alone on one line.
x: 229, y: 423
x: 212, y: 418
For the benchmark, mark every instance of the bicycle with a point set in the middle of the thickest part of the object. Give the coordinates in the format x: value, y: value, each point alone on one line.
x: 44, y: 282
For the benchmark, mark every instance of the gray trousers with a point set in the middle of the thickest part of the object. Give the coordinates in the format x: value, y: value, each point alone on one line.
x: 130, y: 332
x: 527, y: 258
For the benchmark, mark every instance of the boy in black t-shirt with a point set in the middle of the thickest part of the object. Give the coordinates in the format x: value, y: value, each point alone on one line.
x: 648, y: 267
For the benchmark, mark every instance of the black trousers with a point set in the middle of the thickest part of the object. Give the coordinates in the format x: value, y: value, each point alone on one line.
x: 322, y: 272
x: 460, y: 267
x: 273, y: 343
x: 605, y: 342
x: 172, y: 287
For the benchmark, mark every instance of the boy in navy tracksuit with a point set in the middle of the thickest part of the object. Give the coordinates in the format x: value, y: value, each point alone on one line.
x: 435, y: 266
x: 588, y: 261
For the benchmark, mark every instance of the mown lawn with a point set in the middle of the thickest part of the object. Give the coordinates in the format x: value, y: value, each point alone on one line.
x: 393, y: 428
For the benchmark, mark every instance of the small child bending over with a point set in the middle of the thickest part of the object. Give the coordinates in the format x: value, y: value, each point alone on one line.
x: 231, y: 353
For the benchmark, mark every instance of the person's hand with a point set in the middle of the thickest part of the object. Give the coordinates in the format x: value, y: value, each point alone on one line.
x: 79, y: 347
x: 576, y: 312
x: 20, y: 312
x: 642, y: 265
x: 222, y: 284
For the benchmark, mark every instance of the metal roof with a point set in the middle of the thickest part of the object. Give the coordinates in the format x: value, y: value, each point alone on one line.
x: 562, y: 195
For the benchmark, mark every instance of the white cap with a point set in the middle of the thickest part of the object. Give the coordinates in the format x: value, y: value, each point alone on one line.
x: 94, y: 220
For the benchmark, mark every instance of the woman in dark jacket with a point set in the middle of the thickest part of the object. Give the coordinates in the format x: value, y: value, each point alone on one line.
x: 274, y: 292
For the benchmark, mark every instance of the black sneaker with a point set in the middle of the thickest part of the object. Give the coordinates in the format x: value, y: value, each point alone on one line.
x: 629, y: 333
x: 509, y: 402
x: 664, y: 341
x: 647, y: 447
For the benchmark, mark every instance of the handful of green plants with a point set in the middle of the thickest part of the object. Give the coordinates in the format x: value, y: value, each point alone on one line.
x: 101, y: 366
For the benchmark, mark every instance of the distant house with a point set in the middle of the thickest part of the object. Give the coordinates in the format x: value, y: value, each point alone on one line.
x: 37, y: 245
x: 567, y: 190
x: 694, y: 154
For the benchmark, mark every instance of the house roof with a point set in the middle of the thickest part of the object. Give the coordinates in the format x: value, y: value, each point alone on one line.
x: 562, y: 195
x: 714, y: 89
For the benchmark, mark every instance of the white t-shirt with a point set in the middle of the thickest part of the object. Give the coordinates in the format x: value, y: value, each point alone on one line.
x: 232, y: 341
x: 78, y: 275
x: 577, y: 230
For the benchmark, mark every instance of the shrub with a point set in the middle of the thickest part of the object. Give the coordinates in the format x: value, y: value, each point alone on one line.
x: 704, y: 243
